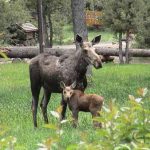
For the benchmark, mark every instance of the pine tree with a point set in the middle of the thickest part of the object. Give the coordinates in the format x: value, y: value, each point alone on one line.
x: 143, y: 36
x: 12, y: 12
x: 123, y: 17
x: 54, y: 14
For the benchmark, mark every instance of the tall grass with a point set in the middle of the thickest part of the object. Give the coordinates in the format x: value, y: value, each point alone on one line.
x: 112, y: 81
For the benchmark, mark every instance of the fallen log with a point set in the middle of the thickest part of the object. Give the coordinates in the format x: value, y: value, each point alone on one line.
x: 30, y: 52
x: 115, y: 52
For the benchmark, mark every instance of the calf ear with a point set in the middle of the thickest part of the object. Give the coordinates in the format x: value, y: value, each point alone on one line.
x: 96, y: 40
x: 62, y: 85
x: 79, y: 39
x: 73, y: 85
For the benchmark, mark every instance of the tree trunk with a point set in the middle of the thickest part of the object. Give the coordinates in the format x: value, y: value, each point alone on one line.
x: 46, y: 39
x: 40, y: 25
x: 79, y: 21
x: 127, y: 48
x: 50, y: 29
x: 120, y: 49
x: 78, y: 16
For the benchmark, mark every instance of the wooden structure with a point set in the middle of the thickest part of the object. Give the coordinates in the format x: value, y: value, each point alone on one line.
x: 93, y: 18
x: 22, y: 35
x: 30, y: 31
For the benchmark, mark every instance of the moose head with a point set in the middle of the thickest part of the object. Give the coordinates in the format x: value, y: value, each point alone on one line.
x: 89, y: 51
x: 67, y: 90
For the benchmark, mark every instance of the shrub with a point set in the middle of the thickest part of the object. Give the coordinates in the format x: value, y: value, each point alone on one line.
x: 124, y: 128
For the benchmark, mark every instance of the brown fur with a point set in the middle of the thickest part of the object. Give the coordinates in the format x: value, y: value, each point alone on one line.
x: 79, y: 101
x: 48, y: 70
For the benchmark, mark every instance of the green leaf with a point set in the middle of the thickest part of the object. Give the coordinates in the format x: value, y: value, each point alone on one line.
x: 131, y: 97
x: 72, y: 147
x: 122, y: 147
x: 3, y: 55
x: 55, y: 114
x: 102, y: 132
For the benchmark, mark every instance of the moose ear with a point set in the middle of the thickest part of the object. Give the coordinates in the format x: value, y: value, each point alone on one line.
x: 62, y: 85
x: 96, y: 40
x: 79, y: 39
x: 73, y: 85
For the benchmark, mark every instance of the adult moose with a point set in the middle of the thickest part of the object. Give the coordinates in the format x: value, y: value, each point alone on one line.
x: 48, y: 71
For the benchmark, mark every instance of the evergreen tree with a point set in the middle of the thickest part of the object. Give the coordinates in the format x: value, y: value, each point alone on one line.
x: 12, y: 12
x: 143, y: 36
x: 55, y: 13
x: 123, y: 16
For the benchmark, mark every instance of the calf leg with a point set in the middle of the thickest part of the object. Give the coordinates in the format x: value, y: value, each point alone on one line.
x: 96, y: 123
x: 75, y: 118
x: 84, y: 83
x: 44, y: 103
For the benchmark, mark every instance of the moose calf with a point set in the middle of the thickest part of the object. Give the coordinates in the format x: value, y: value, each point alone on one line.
x: 78, y: 101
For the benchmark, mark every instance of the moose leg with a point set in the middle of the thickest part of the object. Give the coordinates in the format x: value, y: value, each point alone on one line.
x: 44, y: 103
x: 35, y: 99
x: 82, y: 84
x: 64, y: 107
x: 75, y: 118
x: 85, y: 82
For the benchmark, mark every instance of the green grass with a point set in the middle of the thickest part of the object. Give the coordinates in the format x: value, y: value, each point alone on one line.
x: 107, y: 35
x: 112, y: 81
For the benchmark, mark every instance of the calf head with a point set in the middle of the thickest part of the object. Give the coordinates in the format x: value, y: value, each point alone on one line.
x: 88, y: 51
x: 67, y: 90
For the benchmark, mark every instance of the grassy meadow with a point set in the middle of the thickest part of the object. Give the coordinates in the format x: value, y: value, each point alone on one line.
x: 112, y: 81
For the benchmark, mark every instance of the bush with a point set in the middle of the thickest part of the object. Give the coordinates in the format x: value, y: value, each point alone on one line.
x: 124, y: 128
